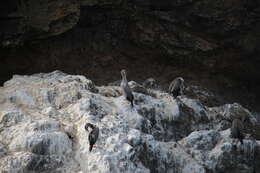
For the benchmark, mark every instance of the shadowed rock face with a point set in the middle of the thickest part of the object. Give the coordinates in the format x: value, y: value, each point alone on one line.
x: 42, y: 120
x: 211, y: 33
x: 23, y: 20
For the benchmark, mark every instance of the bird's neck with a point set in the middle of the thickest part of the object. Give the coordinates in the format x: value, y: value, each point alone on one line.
x: 124, y: 78
x: 91, y: 126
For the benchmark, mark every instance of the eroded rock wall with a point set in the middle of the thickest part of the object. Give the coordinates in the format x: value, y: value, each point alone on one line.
x: 42, y: 119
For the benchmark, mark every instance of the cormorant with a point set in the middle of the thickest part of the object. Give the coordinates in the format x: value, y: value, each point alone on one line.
x: 176, y: 87
x: 93, y: 135
x: 237, y: 130
x: 127, y: 92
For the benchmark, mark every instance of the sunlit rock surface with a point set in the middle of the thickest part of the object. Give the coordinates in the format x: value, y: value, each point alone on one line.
x: 42, y: 119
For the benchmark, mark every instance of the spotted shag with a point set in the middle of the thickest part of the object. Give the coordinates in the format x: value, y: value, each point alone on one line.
x: 93, y: 135
x: 237, y: 130
x: 127, y: 92
x: 176, y: 87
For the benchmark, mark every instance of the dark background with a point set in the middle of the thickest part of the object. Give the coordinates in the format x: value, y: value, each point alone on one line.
x: 210, y: 43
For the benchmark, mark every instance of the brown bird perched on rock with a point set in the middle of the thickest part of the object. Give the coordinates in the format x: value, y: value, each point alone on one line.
x: 237, y: 129
x: 93, y: 135
x: 176, y: 87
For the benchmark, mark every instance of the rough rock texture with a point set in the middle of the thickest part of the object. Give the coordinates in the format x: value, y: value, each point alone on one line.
x: 42, y: 120
x: 30, y: 20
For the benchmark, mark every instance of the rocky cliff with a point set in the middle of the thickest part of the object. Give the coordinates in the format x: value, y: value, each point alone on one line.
x: 215, y: 41
x: 42, y: 120
x: 220, y: 36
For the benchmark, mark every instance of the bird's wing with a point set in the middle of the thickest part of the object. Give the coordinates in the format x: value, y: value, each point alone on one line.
x: 127, y: 90
x: 93, y: 136
x: 240, y: 126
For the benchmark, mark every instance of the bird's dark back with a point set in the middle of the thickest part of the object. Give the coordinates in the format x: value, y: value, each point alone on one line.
x: 175, y: 85
x: 93, y: 136
x: 237, y: 129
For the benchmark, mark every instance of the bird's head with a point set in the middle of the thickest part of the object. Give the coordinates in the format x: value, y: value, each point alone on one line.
x: 123, y: 72
x: 181, y: 79
x: 89, y: 125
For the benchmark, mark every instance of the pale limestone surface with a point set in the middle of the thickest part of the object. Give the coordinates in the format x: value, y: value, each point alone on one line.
x: 42, y: 119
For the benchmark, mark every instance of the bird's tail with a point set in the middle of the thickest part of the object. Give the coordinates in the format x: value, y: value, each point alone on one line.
x: 132, y: 104
x: 90, y: 148
x: 241, y: 141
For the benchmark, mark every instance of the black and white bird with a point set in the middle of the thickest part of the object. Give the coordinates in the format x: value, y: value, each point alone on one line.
x: 237, y: 129
x: 93, y: 135
x: 127, y: 92
x: 176, y: 87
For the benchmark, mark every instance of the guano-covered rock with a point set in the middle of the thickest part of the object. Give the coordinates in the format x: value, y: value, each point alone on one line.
x: 42, y: 119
